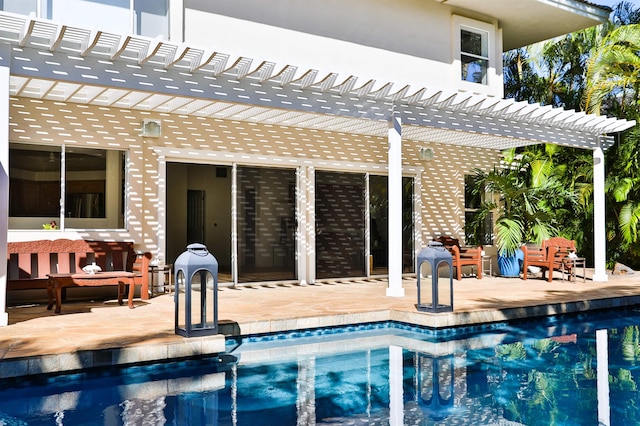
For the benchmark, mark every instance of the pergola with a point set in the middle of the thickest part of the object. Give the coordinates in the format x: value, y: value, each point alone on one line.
x: 45, y: 60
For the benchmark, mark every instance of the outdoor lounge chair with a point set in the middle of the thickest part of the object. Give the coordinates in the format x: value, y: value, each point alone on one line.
x: 462, y: 256
x: 551, y: 256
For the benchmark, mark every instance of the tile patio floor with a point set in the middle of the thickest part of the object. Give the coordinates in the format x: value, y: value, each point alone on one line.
x: 94, y: 334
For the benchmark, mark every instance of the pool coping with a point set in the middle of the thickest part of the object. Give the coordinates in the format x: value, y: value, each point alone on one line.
x: 79, y: 360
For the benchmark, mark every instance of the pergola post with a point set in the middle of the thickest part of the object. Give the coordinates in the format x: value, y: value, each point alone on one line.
x: 599, y: 224
x: 395, y: 206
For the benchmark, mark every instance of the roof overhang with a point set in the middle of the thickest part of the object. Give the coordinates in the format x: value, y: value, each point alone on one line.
x: 552, y: 18
x: 69, y: 64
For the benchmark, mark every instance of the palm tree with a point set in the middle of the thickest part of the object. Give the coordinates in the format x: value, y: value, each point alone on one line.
x: 552, y: 73
x: 528, y: 195
x: 613, y: 70
x: 613, y: 85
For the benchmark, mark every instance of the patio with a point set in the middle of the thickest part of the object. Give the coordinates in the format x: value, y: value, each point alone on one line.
x: 93, y: 334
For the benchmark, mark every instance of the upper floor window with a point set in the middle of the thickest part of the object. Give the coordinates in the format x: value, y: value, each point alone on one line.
x: 142, y: 17
x: 474, y: 55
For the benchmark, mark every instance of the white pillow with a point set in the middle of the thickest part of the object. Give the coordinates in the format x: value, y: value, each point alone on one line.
x: 92, y: 269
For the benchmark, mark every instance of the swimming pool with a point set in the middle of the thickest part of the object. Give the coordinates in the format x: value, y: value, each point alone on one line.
x: 571, y: 370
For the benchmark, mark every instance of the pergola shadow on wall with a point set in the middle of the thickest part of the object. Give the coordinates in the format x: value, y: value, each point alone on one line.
x: 46, y: 61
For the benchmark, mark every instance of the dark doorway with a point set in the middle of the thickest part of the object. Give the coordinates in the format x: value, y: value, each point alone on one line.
x: 195, y: 216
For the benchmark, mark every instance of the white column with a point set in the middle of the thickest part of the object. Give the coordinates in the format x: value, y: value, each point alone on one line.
x: 602, y: 377
x: 4, y: 181
x: 306, y: 396
x: 395, y: 207
x: 311, y: 225
x: 368, y: 259
x: 234, y: 224
x: 301, y: 224
x: 396, y: 404
x: 599, y: 226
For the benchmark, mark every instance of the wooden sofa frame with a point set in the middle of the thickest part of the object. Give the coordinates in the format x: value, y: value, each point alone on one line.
x: 550, y: 257
x: 462, y: 256
x: 56, y: 264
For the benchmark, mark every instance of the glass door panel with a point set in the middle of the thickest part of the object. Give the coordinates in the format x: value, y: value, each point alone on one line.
x: 266, y: 224
x: 379, y: 212
x: 340, y: 225
x: 408, y: 227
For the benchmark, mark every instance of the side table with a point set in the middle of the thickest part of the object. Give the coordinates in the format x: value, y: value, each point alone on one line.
x: 165, y: 270
x: 487, y: 266
x: 572, y: 264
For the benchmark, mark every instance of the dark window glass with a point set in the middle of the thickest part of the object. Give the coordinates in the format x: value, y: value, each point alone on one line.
x: 93, y: 186
x: 476, y: 235
x: 474, y: 56
x: 34, y: 182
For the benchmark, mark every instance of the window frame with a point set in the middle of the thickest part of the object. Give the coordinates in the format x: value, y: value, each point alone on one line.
x: 37, y: 221
x: 487, y: 33
x: 471, y: 210
x: 140, y: 17
x: 469, y: 58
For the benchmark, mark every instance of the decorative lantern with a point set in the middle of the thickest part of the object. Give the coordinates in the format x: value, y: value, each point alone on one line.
x: 439, y: 267
x: 436, y: 386
x: 196, y: 295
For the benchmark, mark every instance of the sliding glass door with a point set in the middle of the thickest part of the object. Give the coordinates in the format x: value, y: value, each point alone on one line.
x: 379, y: 225
x: 266, y: 221
x: 340, y: 224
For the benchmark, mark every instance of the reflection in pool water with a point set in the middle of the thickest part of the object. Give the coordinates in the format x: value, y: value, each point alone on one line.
x: 561, y: 370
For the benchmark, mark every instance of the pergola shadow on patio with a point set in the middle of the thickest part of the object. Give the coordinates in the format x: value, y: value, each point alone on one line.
x: 77, y: 75
x: 106, y: 332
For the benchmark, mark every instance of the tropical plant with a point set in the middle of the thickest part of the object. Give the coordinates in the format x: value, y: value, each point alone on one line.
x: 596, y: 70
x: 613, y: 70
x: 526, y: 194
x: 613, y: 86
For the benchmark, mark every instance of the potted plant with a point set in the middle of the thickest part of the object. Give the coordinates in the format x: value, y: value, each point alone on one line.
x: 526, y: 196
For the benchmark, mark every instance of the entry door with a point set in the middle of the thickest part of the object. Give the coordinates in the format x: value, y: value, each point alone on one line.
x: 195, y: 216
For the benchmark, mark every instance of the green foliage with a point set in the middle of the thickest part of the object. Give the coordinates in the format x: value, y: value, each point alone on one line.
x: 528, y: 195
x: 630, y: 344
x: 596, y: 70
x: 511, y: 351
x: 538, y: 391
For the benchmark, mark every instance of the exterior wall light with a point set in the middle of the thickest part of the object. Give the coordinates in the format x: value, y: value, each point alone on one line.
x: 151, y: 128
x: 426, y: 154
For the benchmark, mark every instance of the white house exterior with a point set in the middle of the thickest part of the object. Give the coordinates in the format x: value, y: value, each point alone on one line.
x: 276, y: 133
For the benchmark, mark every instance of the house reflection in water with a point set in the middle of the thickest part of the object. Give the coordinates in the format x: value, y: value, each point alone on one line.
x: 390, y: 375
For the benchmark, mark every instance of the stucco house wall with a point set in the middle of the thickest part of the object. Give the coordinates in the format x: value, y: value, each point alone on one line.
x: 408, y: 40
x: 345, y: 72
x: 439, y: 182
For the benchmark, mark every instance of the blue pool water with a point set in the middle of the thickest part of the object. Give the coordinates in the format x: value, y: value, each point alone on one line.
x: 570, y: 370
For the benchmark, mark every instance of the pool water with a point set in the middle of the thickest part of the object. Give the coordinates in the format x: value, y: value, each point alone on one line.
x: 569, y: 370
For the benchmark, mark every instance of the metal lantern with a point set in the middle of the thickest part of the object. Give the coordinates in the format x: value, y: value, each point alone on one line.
x: 438, y: 265
x: 196, y: 295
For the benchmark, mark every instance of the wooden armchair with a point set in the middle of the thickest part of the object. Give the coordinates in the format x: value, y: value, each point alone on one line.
x: 551, y: 256
x: 462, y: 256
